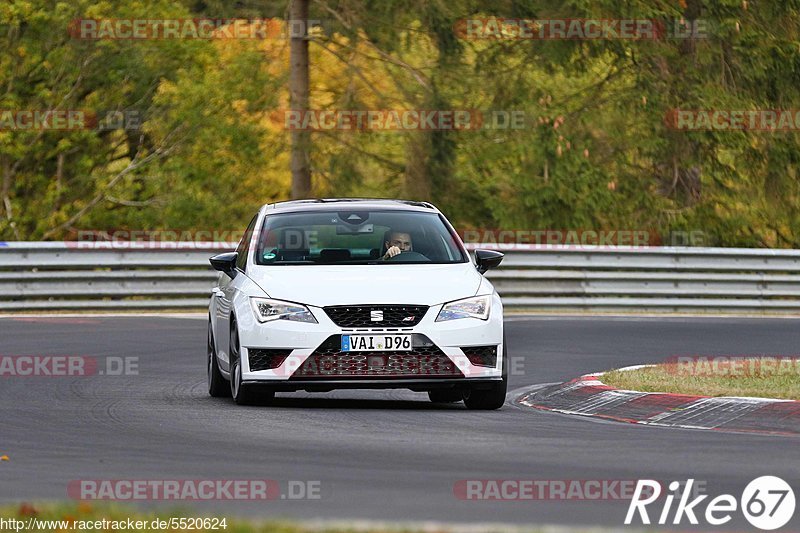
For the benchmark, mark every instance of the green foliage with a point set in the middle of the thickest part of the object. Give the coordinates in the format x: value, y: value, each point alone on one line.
x: 595, y: 152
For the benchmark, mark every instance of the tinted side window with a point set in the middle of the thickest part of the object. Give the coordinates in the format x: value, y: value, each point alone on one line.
x: 244, y: 245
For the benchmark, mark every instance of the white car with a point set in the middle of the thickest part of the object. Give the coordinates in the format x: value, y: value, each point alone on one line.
x: 352, y: 293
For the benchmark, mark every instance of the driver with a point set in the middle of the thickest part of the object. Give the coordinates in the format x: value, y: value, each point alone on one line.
x: 397, y: 242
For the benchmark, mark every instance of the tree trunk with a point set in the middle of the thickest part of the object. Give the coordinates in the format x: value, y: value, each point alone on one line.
x: 298, y: 97
x: 417, y: 175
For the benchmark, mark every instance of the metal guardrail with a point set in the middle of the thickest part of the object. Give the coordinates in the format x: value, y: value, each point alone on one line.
x: 89, y: 276
x: 59, y: 276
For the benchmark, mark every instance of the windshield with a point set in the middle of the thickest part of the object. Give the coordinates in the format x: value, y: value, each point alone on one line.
x: 357, y: 237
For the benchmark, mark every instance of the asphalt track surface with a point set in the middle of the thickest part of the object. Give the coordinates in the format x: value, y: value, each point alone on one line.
x: 379, y: 455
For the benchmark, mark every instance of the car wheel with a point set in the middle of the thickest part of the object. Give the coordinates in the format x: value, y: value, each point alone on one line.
x: 445, y: 396
x: 244, y: 394
x: 218, y: 386
x: 492, y: 398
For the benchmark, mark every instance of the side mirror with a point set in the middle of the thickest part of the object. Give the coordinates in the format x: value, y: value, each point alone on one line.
x: 486, y: 259
x: 225, y: 263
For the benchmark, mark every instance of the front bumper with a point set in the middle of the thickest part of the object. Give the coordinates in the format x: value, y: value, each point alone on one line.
x: 417, y: 385
x: 301, y: 341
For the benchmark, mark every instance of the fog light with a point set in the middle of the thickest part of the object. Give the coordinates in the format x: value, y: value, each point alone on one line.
x: 481, y: 355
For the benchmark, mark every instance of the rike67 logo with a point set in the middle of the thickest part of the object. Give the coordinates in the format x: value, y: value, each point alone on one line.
x: 767, y: 503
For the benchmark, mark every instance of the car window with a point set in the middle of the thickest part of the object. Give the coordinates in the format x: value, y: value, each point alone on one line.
x: 244, y: 245
x: 356, y: 237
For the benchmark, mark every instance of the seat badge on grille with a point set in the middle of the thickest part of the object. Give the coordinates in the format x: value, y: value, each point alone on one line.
x: 376, y: 316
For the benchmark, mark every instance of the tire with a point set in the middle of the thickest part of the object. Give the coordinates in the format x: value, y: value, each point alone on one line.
x: 218, y: 386
x: 492, y: 398
x: 244, y: 394
x: 445, y: 396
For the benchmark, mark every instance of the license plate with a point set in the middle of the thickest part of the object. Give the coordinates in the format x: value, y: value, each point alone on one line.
x: 376, y: 343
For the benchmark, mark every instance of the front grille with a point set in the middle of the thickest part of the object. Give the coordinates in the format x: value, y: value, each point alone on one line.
x: 481, y: 355
x: 366, y: 316
x: 265, y: 359
x: 423, y: 361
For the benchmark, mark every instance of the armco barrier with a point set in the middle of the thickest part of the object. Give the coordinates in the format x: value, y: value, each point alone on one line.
x: 58, y: 276
x: 87, y: 276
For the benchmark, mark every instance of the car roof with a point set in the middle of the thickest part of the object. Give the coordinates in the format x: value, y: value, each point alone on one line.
x: 324, y: 204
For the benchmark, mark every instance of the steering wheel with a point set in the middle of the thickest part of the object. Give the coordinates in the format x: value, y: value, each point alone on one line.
x: 408, y: 257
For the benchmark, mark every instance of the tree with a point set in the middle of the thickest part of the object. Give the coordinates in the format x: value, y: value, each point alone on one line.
x: 298, y: 90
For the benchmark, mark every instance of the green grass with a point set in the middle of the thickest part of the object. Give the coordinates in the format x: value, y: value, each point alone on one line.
x: 755, y: 377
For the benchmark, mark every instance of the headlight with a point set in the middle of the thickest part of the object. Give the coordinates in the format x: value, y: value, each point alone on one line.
x: 475, y: 307
x: 267, y: 310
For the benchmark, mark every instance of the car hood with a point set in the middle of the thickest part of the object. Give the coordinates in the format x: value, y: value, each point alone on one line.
x: 368, y: 284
